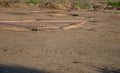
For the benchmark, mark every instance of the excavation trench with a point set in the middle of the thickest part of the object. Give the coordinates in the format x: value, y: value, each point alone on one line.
x: 47, y: 21
x: 17, y: 25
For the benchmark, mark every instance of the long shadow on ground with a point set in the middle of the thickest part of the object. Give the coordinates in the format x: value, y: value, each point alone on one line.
x: 18, y: 69
x: 105, y: 70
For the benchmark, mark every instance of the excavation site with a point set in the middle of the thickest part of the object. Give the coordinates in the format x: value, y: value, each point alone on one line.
x: 59, y: 36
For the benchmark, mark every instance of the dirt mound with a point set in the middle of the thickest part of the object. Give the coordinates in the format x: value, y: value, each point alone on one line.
x: 106, y: 7
x: 75, y: 7
x: 49, y: 5
x: 4, y: 3
x: 67, y: 5
x: 17, y: 4
x: 11, y: 5
x: 62, y: 5
x: 52, y: 5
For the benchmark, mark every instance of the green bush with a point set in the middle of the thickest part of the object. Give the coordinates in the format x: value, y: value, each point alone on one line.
x: 82, y: 5
x: 85, y: 6
x: 77, y: 3
x: 33, y: 2
x: 113, y: 3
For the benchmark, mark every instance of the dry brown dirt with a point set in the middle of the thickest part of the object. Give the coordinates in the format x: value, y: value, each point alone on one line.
x: 92, y: 48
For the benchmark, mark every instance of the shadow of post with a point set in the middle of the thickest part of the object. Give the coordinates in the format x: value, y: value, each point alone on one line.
x: 19, y: 69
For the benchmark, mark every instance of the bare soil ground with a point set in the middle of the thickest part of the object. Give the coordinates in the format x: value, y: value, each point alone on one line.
x: 92, y: 48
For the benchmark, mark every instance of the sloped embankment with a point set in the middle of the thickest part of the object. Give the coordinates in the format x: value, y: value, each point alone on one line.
x: 52, y: 5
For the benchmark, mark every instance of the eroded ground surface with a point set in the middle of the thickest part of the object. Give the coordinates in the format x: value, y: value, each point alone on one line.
x: 92, y: 48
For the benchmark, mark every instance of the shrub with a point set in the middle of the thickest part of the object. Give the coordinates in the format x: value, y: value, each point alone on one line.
x: 113, y: 3
x: 77, y: 3
x: 82, y: 5
x: 33, y: 2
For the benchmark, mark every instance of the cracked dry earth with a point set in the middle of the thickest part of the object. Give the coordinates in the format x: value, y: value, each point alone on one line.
x: 86, y: 49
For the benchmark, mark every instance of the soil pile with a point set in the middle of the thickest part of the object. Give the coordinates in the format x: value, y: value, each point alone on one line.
x: 48, y: 5
x: 52, y: 5
x: 17, y: 4
x: 75, y: 7
x: 106, y: 7
x: 62, y: 5
x: 4, y: 3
